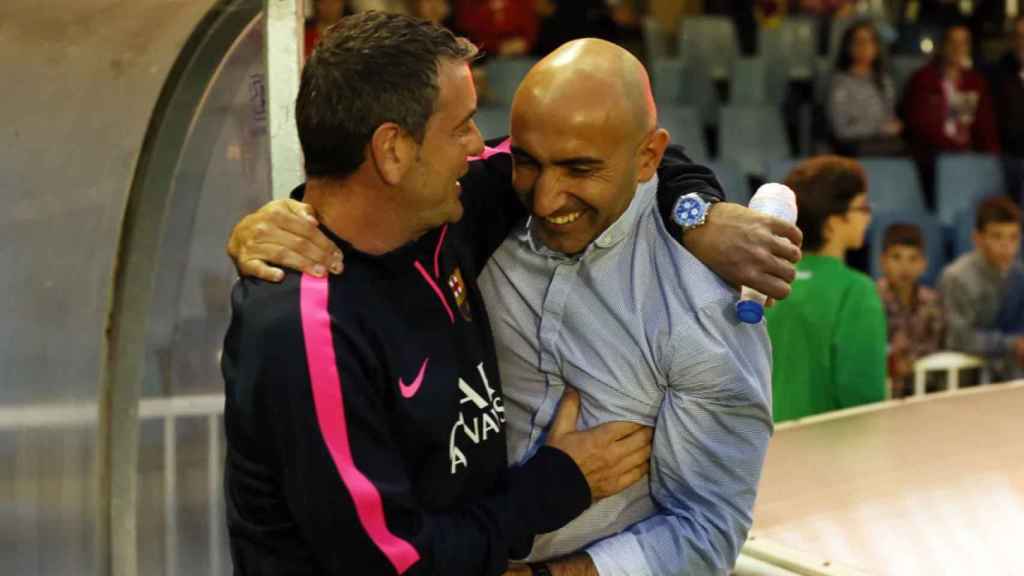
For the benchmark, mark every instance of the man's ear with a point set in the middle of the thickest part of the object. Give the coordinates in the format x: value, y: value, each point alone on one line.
x: 650, y: 154
x: 392, y: 151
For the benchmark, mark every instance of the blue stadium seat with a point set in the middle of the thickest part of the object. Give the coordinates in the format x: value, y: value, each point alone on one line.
x: 492, y: 121
x: 677, y: 83
x: 893, y: 185
x: 962, y: 180
x: 791, y: 46
x: 902, y: 68
x: 655, y: 39
x: 504, y: 76
x: 753, y: 137
x: 709, y: 43
x: 777, y: 171
x: 733, y: 181
x: 686, y: 128
x: 931, y: 229
x: 754, y: 84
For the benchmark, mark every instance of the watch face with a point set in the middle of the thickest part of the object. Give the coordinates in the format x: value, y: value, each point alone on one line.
x: 689, y: 211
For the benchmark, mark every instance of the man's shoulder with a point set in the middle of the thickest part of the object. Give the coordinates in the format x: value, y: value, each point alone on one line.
x: 682, y: 276
x: 276, y: 309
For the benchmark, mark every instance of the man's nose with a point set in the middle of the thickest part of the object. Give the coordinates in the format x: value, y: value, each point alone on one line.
x: 476, y: 142
x: 548, y: 196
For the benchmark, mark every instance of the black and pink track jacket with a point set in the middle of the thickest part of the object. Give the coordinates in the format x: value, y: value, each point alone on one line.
x: 364, y: 415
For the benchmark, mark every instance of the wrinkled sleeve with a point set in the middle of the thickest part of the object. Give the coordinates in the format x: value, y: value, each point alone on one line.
x: 710, y: 441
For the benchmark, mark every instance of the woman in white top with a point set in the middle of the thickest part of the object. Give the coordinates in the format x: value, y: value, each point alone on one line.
x: 862, y: 98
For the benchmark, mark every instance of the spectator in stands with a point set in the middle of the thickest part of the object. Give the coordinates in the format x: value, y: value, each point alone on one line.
x: 862, y: 98
x: 1008, y: 87
x: 947, y: 107
x: 506, y: 28
x: 437, y: 11
x: 976, y: 285
x: 565, y: 20
x: 325, y: 14
x: 913, y: 312
x: 828, y: 337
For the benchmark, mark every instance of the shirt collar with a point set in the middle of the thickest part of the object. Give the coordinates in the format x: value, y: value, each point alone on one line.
x: 614, y: 234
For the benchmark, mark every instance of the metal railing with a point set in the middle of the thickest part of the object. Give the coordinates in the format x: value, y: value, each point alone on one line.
x: 169, y: 410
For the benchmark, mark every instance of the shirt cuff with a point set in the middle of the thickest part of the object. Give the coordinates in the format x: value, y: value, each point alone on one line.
x: 619, y: 555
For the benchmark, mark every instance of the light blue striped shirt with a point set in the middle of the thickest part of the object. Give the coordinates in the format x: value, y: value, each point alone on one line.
x: 647, y: 334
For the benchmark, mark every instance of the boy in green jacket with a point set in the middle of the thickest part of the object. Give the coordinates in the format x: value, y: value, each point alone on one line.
x: 829, y: 336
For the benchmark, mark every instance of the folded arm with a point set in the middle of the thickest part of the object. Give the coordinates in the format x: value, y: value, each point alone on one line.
x: 710, y: 441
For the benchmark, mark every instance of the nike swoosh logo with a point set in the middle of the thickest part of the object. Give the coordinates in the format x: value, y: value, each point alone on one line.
x: 410, y: 390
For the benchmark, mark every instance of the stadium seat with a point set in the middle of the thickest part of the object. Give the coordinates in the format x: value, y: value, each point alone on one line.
x: 679, y: 84
x: 902, y: 68
x: 777, y: 171
x: 753, y: 84
x: 709, y: 43
x: 893, y: 185
x: 655, y: 39
x: 686, y: 128
x: 492, y: 121
x: 753, y: 137
x: 504, y: 76
x: 962, y: 180
x: 934, y: 240
x: 791, y: 46
x: 733, y: 181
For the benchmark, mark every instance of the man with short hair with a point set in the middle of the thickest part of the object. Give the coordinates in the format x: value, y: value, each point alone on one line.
x: 593, y: 289
x: 976, y: 285
x: 364, y: 413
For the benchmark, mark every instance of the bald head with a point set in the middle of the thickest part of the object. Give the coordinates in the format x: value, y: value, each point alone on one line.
x: 589, y: 82
x: 584, y: 135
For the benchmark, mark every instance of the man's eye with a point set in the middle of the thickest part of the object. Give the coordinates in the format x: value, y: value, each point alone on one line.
x: 578, y: 171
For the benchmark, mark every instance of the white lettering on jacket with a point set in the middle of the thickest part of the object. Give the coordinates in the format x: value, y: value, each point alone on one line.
x: 484, y: 419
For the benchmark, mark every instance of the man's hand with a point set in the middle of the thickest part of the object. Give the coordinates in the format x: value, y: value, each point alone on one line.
x: 748, y: 248
x: 576, y: 565
x: 611, y: 456
x: 285, y: 233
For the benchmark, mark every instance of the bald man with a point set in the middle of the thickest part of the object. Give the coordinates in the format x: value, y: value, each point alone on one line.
x: 593, y: 289
x: 593, y: 292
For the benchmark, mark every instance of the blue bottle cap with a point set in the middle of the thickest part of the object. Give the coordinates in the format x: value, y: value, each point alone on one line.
x: 749, y: 311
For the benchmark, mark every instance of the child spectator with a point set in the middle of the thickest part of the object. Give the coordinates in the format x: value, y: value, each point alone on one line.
x: 862, y: 97
x: 976, y: 286
x: 828, y: 337
x: 913, y: 312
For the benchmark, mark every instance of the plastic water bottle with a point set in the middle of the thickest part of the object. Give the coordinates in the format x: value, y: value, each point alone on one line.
x: 775, y: 200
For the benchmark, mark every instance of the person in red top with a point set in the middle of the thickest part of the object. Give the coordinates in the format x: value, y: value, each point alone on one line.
x: 500, y: 27
x: 325, y: 14
x: 947, y: 106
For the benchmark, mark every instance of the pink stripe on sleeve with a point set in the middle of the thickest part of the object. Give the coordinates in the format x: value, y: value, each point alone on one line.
x: 440, y: 295
x: 330, y: 414
x: 504, y: 148
x: 437, y: 251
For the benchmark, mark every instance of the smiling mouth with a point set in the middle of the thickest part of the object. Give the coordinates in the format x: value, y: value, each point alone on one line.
x: 563, y: 220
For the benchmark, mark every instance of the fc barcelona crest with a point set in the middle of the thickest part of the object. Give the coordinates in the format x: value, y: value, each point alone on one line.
x: 458, y: 288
